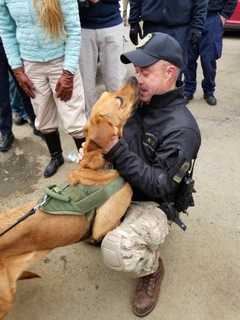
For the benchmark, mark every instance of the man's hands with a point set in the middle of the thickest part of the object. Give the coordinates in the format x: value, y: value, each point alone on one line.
x: 24, y: 82
x: 64, y: 87
x: 135, y: 31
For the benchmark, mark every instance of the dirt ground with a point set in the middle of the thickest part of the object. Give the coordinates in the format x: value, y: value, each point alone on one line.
x: 202, y: 265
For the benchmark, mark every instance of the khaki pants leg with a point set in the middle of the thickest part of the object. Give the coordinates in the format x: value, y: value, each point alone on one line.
x: 134, y: 246
x: 88, y: 66
x: 43, y: 104
x: 111, y: 44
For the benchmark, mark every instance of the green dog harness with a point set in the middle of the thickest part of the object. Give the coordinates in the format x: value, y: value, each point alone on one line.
x: 79, y: 199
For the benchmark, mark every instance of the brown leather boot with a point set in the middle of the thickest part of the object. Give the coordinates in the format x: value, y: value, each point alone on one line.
x: 147, y: 292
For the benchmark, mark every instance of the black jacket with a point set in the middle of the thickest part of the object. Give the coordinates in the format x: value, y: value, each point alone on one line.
x: 169, y: 13
x: 223, y: 7
x: 157, y: 139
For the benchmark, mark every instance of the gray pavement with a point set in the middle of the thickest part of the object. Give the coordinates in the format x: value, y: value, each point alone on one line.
x: 202, y: 265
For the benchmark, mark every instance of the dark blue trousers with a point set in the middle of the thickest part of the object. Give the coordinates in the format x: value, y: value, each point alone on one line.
x: 5, y: 107
x: 209, y: 49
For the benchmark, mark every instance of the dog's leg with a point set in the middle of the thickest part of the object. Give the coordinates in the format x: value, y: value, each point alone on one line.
x: 11, y: 269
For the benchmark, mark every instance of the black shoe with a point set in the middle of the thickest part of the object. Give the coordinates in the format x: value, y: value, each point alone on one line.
x: 53, y: 165
x: 6, y: 142
x: 18, y: 120
x: 187, y: 99
x: 211, y: 100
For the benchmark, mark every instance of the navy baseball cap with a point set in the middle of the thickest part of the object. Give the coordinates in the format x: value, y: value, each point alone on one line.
x: 154, y: 47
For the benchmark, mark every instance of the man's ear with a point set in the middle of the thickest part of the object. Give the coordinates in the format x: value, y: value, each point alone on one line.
x: 171, y: 71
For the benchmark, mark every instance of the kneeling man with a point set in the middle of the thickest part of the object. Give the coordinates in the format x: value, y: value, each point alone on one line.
x: 159, y: 139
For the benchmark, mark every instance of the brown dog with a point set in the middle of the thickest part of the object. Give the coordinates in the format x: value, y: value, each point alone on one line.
x: 36, y: 236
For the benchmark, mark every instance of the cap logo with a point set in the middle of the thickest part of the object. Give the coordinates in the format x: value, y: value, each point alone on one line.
x: 144, y: 41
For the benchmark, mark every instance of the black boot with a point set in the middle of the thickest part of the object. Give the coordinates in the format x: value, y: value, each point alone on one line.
x: 78, y: 142
x: 54, y: 146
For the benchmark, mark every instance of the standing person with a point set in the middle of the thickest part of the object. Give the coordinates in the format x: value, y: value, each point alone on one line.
x: 102, y: 41
x: 209, y: 48
x: 182, y: 19
x: 7, y: 136
x: 159, y: 143
x: 42, y: 43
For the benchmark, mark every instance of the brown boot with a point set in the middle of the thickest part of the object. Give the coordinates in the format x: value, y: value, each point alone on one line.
x: 147, y: 292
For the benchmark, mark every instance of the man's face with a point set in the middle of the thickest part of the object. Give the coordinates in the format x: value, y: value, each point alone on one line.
x: 155, y: 79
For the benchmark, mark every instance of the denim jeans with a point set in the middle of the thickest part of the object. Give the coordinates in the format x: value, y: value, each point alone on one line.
x: 16, y: 99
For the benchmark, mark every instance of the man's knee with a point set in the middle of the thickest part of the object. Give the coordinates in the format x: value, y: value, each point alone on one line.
x: 111, y: 251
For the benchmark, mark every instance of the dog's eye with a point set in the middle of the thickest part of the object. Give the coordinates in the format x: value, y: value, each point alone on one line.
x: 120, y: 99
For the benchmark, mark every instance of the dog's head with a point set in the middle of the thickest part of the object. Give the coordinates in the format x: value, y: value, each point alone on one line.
x: 116, y: 106
x: 108, y: 116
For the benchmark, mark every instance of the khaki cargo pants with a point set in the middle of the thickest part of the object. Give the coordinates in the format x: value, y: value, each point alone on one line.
x: 134, y: 246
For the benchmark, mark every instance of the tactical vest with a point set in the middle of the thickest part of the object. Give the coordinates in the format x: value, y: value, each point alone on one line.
x: 79, y: 199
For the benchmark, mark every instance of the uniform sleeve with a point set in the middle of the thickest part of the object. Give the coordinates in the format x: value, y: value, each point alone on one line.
x: 228, y: 8
x: 199, y: 14
x: 155, y: 180
x: 8, y: 35
x: 73, y: 30
x: 135, y: 11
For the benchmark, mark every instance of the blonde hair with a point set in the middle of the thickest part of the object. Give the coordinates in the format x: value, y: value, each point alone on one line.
x: 50, y: 17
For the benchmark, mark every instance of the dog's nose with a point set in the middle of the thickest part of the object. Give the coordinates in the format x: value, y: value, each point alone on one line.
x: 133, y: 81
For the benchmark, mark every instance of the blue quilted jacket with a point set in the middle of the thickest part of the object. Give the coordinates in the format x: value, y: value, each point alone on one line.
x: 24, y: 38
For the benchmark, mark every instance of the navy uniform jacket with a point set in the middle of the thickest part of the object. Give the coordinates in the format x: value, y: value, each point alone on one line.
x: 223, y: 7
x: 169, y: 13
x: 157, y: 139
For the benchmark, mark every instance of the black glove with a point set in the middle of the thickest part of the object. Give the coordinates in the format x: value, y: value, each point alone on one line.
x: 135, y: 31
x: 195, y: 37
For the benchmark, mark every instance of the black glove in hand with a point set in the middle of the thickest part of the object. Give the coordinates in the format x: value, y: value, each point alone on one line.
x: 195, y: 37
x: 135, y: 31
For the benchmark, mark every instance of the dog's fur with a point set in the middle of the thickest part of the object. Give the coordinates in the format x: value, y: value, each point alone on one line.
x: 35, y: 237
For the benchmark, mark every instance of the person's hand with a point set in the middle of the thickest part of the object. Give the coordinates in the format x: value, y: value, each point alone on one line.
x: 64, y: 87
x: 93, y: 1
x: 195, y: 37
x: 223, y: 20
x: 24, y: 82
x: 135, y: 32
